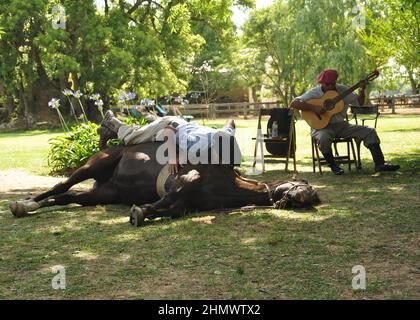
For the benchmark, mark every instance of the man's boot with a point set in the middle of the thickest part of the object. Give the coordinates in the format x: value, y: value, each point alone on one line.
x: 108, y: 129
x: 111, y: 122
x: 104, y: 135
x: 378, y: 158
x: 335, y: 168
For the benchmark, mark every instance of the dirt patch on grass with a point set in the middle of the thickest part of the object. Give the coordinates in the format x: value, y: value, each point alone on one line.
x: 14, y: 183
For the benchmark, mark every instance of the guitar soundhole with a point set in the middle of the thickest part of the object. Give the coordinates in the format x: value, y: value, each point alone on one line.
x: 329, y: 104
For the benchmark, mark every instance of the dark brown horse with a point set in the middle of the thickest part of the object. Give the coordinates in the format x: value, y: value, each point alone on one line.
x: 129, y: 174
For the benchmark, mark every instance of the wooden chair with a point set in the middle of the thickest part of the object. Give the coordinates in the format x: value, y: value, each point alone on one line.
x: 340, y: 159
x: 365, y: 113
x: 280, y: 148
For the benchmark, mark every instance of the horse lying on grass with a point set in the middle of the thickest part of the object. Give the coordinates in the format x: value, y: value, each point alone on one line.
x: 131, y: 175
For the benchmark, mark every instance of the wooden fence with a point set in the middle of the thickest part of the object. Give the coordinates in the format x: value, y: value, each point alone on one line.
x: 214, y: 110
x: 245, y: 109
x: 396, y: 102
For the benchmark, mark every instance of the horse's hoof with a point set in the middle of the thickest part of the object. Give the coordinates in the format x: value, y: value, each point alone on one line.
x: 136, y: 216
x: 18, y: 209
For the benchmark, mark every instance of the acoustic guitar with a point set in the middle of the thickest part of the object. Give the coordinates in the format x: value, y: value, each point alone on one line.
x: 333, y: 102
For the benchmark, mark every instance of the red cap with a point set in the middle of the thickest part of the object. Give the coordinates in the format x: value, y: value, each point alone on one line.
x: 328, y: 76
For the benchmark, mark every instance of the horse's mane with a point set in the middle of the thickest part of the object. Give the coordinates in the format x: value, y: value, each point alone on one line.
x: 261, y: 184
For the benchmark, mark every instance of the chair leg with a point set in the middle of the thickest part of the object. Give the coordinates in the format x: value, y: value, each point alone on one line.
x: 335, y: 149
x: 354, y: 156
x: 319, y: 161
x: 288, y: 153
x: 359, y: 161
x: 259, y: 145
x: 294, y: 147
x: 262, y: 156
x: 255, y: 151
x: 348, y: 155
x: 313, y: 155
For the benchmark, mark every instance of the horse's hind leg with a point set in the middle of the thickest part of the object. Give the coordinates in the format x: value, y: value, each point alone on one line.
x: 98, y: 167
x: 102, y: 195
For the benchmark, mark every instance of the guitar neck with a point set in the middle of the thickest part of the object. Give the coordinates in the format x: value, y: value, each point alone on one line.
x: 344, y: 94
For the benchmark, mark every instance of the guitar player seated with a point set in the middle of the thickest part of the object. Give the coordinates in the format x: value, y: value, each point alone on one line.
x: 338, y: 127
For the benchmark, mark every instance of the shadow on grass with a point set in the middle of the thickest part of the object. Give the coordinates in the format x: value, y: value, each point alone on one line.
x: 410, y: 162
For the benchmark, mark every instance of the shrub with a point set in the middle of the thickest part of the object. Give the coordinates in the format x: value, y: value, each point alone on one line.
x: 72, y: 150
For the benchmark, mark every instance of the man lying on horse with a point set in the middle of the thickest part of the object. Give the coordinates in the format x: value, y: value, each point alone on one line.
x: 187, y: 142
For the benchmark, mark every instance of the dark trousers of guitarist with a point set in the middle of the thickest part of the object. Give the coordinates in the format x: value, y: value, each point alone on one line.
x: 338, y: 126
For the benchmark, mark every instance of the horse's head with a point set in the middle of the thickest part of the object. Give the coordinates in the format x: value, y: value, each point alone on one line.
x: 297, y: 193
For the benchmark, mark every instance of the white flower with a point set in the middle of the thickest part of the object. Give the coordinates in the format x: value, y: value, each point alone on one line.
x: 130, y: 95
x: 67, y: 92
x: 121, y: 96
x: 99, y: 103
x: 147, y: 102
x: 95, y: 96
x: 77, y: 94
x: 54, y: 103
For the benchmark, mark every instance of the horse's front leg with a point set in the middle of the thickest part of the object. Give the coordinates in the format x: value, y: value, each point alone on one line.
x: 167, y: 206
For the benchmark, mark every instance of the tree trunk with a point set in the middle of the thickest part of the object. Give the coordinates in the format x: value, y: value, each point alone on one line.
x: 106, y: 7
x: 38, y: 93
x: 413, y: 82
x: 8, y: 103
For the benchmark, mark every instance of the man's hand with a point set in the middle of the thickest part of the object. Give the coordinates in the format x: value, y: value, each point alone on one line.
x: 363, y: 84
x: 319, y: 109
x: 173, y: 168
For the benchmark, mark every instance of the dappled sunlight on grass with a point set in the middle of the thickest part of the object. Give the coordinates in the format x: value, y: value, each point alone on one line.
x: 85, y: 255
x: 204, y: 220
x: 119, y: 220
x: 248, y: 240
x: 134, y: 235
x: 299, y: 216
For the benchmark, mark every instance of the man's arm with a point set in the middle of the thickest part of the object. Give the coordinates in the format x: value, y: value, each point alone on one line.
x: 362, y: 96
x: 169, y: 134
x: 304, y: 106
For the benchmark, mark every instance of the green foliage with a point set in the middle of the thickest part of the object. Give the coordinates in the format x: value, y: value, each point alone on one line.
x: 148, y: 47
x: 393, y: 32
x: 289, y: 43
x: 72, y: 150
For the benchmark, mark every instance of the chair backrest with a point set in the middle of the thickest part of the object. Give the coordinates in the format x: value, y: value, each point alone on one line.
x: 284, y: 117
x: 285, y: 129
x: 372, y: 110
x: 365, y: 113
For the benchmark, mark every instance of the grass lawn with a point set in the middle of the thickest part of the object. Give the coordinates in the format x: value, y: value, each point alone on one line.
x: 260, y: 254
